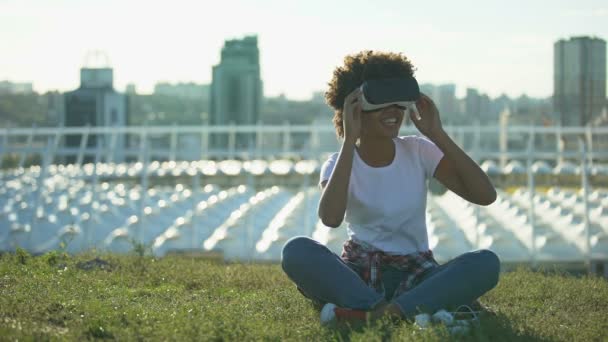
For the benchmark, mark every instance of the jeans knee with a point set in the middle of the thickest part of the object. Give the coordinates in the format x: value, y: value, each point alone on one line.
x: 295, y: 251
x: 489, y: 265
x: 483, y: 263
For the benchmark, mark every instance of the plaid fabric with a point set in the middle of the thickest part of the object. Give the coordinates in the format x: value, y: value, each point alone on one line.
x: 368, y: 262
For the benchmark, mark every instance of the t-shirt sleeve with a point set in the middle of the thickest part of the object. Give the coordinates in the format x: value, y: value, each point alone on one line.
x: 328, y: 167
x: 430, y: 156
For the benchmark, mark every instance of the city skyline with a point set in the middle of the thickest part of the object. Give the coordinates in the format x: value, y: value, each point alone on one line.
x: 300, y: 44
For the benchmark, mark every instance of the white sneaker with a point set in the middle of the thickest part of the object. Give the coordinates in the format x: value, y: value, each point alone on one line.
x: 328, y: 314
x: 459, y: 329
x: 444, y: 317
x: 455, y: 325
x: 423, y: 320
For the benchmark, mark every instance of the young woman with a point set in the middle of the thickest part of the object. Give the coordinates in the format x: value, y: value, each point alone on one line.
x: 377, y: 184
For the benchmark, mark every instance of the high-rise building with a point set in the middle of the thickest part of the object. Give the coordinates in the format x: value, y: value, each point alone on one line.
x: 579, y: 79
x: 428, y: 89
x: 131, y: 89
x: 444, y: 96
x: 446, y: 99
x: 473, y: 105
x: 236, y: 88
x: 96, y: 103
x: 55, y: 108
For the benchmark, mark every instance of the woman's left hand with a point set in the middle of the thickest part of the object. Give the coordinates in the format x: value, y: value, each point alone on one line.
x: 429, y: 123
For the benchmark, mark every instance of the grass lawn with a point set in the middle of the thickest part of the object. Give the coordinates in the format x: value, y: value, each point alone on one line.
x: 55, y: 296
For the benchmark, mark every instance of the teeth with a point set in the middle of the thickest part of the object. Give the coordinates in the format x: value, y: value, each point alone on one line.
x: 390, y: 121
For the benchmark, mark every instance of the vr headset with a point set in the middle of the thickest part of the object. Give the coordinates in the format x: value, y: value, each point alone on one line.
x: 403, y: 92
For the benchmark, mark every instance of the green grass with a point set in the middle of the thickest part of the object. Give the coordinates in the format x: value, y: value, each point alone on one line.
x: 183, y: 298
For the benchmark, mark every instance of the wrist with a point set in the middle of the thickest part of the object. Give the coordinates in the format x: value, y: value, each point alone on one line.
x: 437, y: 134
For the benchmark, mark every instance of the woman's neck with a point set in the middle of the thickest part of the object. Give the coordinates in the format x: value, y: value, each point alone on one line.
x: 376, y: 152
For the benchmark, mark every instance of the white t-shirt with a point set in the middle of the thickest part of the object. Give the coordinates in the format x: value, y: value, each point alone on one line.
x: 386, y: 206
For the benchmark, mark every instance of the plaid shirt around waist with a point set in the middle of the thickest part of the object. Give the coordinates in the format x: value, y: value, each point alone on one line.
x: 369, y: 260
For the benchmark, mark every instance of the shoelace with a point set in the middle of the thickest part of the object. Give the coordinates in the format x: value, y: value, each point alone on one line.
x: 471, y: 312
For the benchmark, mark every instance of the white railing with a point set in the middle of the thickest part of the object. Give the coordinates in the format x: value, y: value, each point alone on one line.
x: 116, y: 144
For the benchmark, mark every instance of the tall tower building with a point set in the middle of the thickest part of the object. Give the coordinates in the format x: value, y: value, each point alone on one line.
x: 473, y: 105
x: 445, y: 98
x: 96, y: 103
x: 579, y: 79
x: 236, y: 88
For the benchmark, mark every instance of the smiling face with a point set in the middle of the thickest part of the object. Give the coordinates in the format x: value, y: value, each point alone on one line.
x: 384, y: 122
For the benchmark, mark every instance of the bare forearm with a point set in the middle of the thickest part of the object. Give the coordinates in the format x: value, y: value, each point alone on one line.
x: 476, y: 184
x: 333, y: 199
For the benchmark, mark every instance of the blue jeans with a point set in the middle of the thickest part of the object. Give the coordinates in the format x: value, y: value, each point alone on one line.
x: 324, y: 277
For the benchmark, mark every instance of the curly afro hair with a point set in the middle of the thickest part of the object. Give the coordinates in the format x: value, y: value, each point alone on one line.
x: 360, y: 67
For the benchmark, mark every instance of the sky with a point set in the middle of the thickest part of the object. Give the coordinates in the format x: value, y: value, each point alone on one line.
x: 495, y: 46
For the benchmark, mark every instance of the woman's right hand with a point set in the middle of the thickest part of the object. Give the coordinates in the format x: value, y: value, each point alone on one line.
x: 351, y: 116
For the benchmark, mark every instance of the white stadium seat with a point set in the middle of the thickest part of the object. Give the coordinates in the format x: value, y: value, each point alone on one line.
x: 79, y: 207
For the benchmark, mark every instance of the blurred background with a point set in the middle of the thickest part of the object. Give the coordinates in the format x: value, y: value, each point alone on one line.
x: 197, y: 127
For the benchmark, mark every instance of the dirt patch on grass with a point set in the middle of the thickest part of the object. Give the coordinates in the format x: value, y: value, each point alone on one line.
x: 94, y: 264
